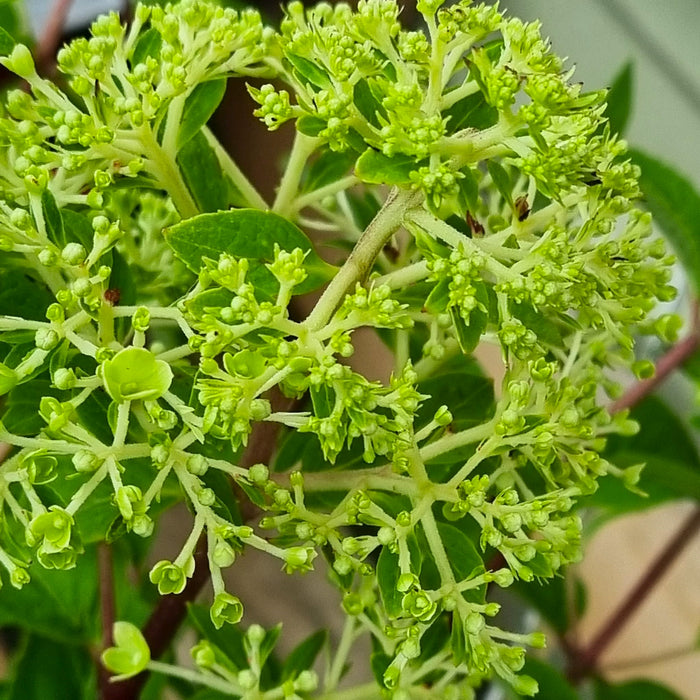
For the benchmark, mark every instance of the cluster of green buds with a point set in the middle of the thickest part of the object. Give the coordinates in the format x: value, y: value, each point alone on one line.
x: 483, y: 199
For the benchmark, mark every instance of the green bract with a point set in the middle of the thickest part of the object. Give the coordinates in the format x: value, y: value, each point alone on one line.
x: 480, y: 195
x: 135, y: 374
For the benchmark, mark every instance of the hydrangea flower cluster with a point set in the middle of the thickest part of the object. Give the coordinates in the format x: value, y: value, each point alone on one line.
x: 509, y: 220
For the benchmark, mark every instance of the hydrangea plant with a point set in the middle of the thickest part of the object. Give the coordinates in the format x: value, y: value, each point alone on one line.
x: 481, y: 197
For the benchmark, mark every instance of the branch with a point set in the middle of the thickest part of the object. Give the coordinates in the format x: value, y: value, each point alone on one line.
x: 672, y: 360
x: 584, y: 661
x: 51, y: 36
x: 171, y: 610
x: 106, y: 592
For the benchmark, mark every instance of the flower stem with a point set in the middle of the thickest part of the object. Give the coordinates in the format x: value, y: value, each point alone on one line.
x: 359, y: 263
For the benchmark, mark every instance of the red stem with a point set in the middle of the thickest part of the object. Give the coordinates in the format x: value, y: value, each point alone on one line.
x: 669, y: 362
x: 107, y: 608
x: 51, y: 36
x: 585, y: 660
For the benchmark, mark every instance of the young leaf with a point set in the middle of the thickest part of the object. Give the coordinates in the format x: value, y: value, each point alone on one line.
x: 373, y: 166
x: 468, y: 336
x: 501, y: 180
x: 327, y: 168
x: 304, y: 654
x: 471, y: 112
x: 199, y: 107
x: 203, y: 175
x: 619, y: 100
x: 246, y: 233
x: 21, y: 295
x: 367, y: 104
x: 148, y: 44
x: 52, y: 218
x: 675, y: 204
x: 7, y: 43
x: 309, y: 71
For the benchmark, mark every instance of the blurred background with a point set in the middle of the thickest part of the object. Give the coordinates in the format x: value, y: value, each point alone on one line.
x: 660, y: 41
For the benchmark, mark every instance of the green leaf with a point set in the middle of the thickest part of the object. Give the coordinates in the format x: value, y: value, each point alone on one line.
x: 59, y: 605
x: 21, y: 415
x: 328, y: 168
x: 56, y: 670
x: 469, y: 336
x: 367, y: 103
x: 52, y: 219
x: 77, y: 228
x: 463, y: 558
x: 633, y: 690
x: 672, y: 462
x: 469, y: 396
x: 619, y: 100
x: 471, y: 112
x: 21, y: 295
x: 246, y: 233
x: 304, y: 654
x: 545, y: 329
x: 199, y: 107
x: 663, y: 443
x: 501, y: 180
x: 228, y: 641
x: 202, y: 173
x: 373, y: 166
x: 468, y: 190
x: 7, y: 43
x: 388, y: 572
x: 148, y: 44
x: 309, y: 71
x: 552, y: 683
x: 675, y: 204
x: 309, y: 125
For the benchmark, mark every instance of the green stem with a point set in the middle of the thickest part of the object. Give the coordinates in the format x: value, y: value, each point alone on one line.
x: 303, y: 147
x: 359, y: 263
x: 193, y: 677
x: 455, y: 440
x: 341, y: 655
x: 230, y: 167
x: 165, y: 170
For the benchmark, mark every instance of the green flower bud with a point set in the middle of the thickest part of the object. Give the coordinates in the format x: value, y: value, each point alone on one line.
x: 74, y: 254
x: 19, y: 577
x: 20, y: 62
x: 525, y: 685
x: 226, y: 608
x: 141, y: 319
x: 258, y: 473
x: 64, y: 378
x: 202, y: 653
x: 168, y: 577
x: 197, y: 465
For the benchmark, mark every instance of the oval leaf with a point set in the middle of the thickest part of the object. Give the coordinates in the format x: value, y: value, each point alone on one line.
x: 246, y: 233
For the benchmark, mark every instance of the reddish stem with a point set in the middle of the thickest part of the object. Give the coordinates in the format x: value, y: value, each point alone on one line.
x: 51, y: 36
x: 107, y: 608
x: 669, y: 362
x: 584, y: 661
